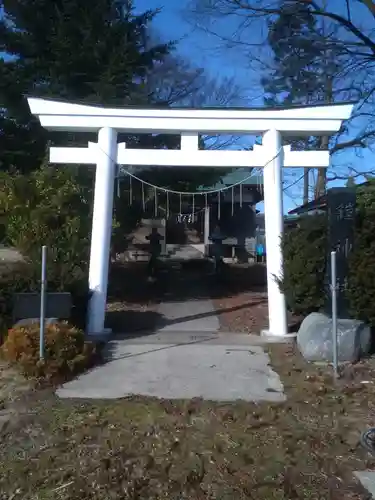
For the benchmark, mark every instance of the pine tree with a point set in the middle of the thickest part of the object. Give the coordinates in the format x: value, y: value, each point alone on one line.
x: 93, y: 51
x: 295, y: 78
x: 350, y: 183
x: 303, y: 71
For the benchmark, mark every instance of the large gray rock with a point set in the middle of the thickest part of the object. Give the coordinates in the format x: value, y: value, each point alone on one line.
x: 314, y: 338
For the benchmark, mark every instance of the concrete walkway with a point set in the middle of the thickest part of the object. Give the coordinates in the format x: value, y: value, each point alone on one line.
x: 189, y: 316
x: 9, y: 255
x: 187, y: 358
x: 367, y: 479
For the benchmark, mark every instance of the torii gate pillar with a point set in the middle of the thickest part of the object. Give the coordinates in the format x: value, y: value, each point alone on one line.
x: 274, y: 226
x: 101, y: 229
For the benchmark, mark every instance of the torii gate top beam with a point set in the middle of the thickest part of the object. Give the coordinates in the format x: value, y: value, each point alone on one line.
x: 316, y: 120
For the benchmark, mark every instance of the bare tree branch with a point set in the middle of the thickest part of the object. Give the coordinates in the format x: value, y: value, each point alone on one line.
x: 352, y: 44
x: 370, y: 5
x: 359, y: 142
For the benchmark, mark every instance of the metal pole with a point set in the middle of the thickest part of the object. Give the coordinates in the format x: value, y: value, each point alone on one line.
x: 334, y: 314
x: 206, y: 230
x: 164, y: 235
x: 43, y: 287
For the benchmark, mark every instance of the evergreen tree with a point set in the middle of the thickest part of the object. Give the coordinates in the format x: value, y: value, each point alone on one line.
x: 295, y: 78
x: 94, y: 51
x: 350, y: 182
x: 304, y: 70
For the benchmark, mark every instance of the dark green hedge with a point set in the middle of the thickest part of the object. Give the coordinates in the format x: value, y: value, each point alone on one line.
x: 361, y: 290
x: 305, y: 260
x: 304, y: 250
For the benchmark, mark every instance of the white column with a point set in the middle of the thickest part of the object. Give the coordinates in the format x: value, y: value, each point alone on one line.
x: 101, y: 229
x: 206, y: 230
x: 274, y: 225
x: 189, y: 141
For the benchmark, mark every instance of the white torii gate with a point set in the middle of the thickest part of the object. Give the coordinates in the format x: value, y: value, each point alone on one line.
x: 107, y: 153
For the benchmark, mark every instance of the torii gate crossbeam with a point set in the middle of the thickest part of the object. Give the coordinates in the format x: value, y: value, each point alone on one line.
x: 189, y: 123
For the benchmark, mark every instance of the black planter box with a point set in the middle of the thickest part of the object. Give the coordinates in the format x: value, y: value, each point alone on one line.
x: 27, y: 305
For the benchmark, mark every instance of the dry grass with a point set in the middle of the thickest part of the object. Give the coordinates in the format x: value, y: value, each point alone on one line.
x: 247, y: 312
x: 141, y: 448
x: 12, y: 384
x: 243, y: 312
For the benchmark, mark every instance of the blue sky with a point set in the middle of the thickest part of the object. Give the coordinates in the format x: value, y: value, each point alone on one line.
x: 202, y: 50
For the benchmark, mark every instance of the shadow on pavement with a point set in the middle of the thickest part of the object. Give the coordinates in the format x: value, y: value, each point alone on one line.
x: 191, y: 280
x: 132, y: 324
x: 133, y: 301
x: 112, y: 354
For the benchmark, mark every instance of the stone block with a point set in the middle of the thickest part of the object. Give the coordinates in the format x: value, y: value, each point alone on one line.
x: 314, y: 339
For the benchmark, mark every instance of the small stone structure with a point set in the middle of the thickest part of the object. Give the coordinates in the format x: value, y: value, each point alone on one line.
x: 314, y: 338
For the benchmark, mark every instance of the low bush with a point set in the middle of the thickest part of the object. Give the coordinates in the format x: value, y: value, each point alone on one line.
x: 14, y: 278
x: 24, y: 277
x: 305, y: 253
x: 66, y: 352
x: 50, y: 207
x: 361, y: 282
x: 304, y: 250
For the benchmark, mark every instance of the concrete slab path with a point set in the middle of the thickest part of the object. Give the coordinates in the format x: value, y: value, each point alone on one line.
x: 367, y: 479
x: 212, y: 367
x: 187, y: 358
x: 189, y: 316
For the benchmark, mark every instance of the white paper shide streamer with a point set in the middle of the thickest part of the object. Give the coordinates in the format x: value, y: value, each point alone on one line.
x: 206, y: 194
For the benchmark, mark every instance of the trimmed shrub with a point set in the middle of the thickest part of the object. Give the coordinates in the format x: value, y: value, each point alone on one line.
x: 366, y: 197
x: 304, y: 250
x: 66, y: 352
x: 361, y: 282
x: 305, y: 261
x: 47, y: 207
x: 50, y: 207
x: 361, y: 279
x: 25, y: 277
x: 14, y: 278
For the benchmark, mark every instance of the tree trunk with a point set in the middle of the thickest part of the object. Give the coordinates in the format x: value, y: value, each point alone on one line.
x: 321, y: 181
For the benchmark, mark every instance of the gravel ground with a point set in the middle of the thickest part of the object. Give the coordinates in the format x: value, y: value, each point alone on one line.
x: 241, y: 300
x: 247, y: 312
x: 304, y: 449
x: 243, y: 312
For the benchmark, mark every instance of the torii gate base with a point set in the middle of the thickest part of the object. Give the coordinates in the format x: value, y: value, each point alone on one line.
x: 189, y: 123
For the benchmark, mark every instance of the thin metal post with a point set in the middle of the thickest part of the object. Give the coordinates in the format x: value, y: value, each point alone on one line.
x: 206, y: 230
x: 43, y: 288
x: 164, y: 235
x: 334, y: 314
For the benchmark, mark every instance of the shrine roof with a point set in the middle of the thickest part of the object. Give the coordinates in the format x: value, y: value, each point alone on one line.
x: 319, y: 203
x: 235, y: 177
